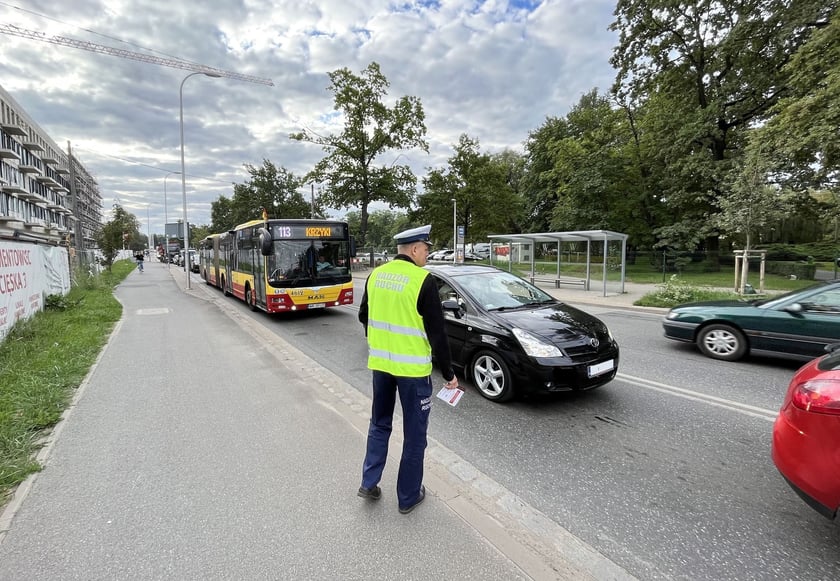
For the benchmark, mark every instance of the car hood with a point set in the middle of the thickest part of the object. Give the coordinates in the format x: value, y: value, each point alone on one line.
x: 560, y: 323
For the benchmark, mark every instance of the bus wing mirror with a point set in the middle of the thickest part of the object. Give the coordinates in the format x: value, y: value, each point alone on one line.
x: 353, y: 246
x: 265, y: 242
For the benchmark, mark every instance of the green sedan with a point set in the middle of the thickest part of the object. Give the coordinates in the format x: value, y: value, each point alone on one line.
x: 795, y: 325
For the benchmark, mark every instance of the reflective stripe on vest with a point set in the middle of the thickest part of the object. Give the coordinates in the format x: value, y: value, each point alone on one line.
x: 396, y: 335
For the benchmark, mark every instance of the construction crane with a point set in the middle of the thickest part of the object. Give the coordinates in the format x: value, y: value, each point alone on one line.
x: 137, y: 56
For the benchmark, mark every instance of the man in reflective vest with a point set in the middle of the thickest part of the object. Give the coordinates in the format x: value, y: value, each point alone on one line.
x: 404, y: 323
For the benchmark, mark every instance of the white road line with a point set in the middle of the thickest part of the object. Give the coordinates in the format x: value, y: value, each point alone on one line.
x: 720, y: 402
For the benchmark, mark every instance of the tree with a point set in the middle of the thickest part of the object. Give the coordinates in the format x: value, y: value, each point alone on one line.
x: 705, y: 71
x: 221, y: 214
x: 114, y: 235
x: 382, y: 226
x: 802, y: 136
x: 584, y: 172
x: 272, y: 188
x: 199, y: 233
x: 539, y: 182
x: 484, y: 188
x: 751, y: 205
x: 371, y: 130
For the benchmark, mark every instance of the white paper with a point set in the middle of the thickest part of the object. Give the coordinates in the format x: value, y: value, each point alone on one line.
x: 450, y: 396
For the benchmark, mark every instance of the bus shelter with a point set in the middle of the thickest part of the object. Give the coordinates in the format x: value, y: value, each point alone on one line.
x: 613, y: 255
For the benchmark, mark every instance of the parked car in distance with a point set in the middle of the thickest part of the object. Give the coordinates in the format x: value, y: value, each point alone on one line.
x: 194, y: 262
x: 439, y: 254
x: 511, y: 337
x: 806, y: 435
x: 449, y: 256
x: 795, y: 325
x: 481, y: 249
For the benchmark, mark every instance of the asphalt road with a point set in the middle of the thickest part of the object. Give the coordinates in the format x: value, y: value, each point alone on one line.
x: 666, y: 470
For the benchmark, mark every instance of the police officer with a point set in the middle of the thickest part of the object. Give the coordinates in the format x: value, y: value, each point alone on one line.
x: 404, y: 324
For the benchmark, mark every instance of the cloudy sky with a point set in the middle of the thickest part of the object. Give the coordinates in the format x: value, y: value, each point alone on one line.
x: 493, y: 70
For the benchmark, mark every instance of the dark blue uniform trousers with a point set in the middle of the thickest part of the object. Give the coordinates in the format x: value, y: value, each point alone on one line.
x: 416, y: 401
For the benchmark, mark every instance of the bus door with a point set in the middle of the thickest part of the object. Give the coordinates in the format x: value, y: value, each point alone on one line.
x: 258, y: 262
x: 227, y: 255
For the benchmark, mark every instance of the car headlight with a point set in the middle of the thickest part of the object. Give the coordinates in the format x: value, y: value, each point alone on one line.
x: 534, y: 346
x: 671, y: 316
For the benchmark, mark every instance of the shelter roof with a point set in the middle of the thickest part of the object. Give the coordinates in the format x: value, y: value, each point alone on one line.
x: 571, y: 236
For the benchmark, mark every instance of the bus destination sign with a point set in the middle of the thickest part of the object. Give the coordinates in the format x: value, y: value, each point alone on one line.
x: 318, y: 231
x: 298, y: 231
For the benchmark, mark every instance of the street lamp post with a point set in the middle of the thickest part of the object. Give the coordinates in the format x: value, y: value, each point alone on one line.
x: 454, y: 230
x: 183, y: 170
x: 148, y: 231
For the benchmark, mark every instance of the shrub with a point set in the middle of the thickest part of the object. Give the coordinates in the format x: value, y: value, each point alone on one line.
x: 675, y: 292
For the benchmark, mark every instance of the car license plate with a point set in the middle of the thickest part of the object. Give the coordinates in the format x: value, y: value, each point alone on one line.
x: 601, y: 368
x: 317, y: 305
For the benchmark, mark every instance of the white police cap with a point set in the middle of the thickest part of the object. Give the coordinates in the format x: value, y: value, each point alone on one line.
x: 420, y: 234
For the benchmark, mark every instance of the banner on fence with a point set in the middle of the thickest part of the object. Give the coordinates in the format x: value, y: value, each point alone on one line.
x: 28, y: 274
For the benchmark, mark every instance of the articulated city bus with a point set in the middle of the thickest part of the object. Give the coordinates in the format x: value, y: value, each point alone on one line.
x: 282, y: 265
x: 211, y: 261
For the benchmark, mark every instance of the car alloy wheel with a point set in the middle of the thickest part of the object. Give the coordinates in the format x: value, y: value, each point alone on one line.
x: 491, y: 376
x: 722, y: 342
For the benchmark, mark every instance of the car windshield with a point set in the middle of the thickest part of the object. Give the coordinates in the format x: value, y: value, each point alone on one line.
x: 497, y: 290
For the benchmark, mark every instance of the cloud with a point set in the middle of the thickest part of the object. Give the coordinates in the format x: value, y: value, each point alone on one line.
x: 491, y: 69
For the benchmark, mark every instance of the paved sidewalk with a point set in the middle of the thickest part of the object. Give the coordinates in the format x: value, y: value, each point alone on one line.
x: 201, y: 446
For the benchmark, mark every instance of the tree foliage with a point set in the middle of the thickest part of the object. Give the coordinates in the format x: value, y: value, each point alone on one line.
x: 703, y: 72
x: 584, y: 173
x: 752, y: 205
x: 355, y: 170
x: 382, y: 226
x: 275, y: 189
x: 484, y: 188
x: 116, y: 233
x: 803, y: 134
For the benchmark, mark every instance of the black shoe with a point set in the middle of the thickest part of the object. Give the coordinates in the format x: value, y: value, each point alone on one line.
x: 372, y: 493
x: 420, y: 498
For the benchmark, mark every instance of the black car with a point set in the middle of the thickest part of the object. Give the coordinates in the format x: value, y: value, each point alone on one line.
x: 511, y: 337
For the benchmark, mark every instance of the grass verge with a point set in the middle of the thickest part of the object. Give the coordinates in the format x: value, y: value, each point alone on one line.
x: 676, y: 291
x: 43, y: 361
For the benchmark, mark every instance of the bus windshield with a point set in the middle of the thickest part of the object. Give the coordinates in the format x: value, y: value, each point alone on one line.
x: 296, y: 263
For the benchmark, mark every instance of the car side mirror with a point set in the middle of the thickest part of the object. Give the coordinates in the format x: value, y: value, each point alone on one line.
x: 794, y: 308
x: 453, y: 306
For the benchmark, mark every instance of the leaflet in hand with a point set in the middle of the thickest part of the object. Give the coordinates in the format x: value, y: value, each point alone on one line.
x: 450, y: 396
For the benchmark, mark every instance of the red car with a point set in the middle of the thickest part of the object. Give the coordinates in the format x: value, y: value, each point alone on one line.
x: 806, y: 435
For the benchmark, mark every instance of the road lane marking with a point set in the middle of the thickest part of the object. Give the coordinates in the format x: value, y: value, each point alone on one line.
x: 734, y: 406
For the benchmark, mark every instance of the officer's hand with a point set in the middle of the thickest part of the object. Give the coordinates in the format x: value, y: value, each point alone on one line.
x: 452, y: 384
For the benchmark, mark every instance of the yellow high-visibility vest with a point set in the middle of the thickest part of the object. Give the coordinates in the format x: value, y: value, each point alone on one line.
x: 397, y: 341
